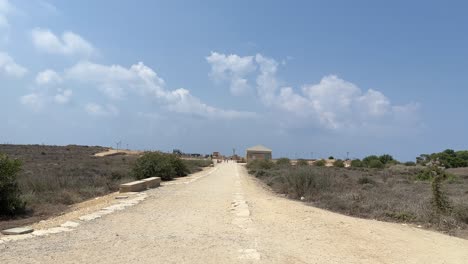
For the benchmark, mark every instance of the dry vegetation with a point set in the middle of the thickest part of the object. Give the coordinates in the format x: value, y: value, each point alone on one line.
x: 54, y: 177
x: 391, y: 194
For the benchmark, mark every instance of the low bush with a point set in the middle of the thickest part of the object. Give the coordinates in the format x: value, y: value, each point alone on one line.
x: 319, y: 163
x: 156, y: 164
x: 302, y: 162
x: 10, y: 201
x: 357, y: 163
x: 283, y: 162
x: 260, y: 165
x: 303, y: 181
x: 365, y: 180
x: 410, y: 163
x: 196, y: 165
x: 376, y: 164
x: 339, y: 163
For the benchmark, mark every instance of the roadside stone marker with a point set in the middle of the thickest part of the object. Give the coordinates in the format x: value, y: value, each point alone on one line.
x: 18, y: 231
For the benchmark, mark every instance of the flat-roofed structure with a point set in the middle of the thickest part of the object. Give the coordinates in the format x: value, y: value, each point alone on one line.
x: 258, y: 152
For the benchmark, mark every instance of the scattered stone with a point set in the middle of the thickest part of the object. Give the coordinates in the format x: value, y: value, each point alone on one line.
x: 419, y: 226
x: 90, y: 217
x: 70, y: 224
x: 302, y: 198
x: 18, y: 231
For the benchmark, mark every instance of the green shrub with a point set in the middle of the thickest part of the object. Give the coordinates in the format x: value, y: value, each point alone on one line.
x: 410, y: 163
x: 339, y: 163
x: 439, y: 201
x: 320, y: 163
x: 331, y: 158
x: 425, y: 175
x: 10, y: 201
x: 302, y: 162
x: 367, y: 160
x: 376, y: 164
x: 260, y: 165
x: 387, y: 159
x: 179, y: 166
x: 356, y: 163
x: 155, y: 164
x: 283, y: 162
x: 303, y: 181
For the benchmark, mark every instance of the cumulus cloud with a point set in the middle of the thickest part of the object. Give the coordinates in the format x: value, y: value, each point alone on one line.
x: 69, y: 43
x: 35, y: 101
x: 267, y: 84
x: 5, y: 9
x: 9, y: 67
x: 116, y: 82
x: 232, y: 68
x: 48, y: 77
x: 63, y: 96
x: 101, y: 110
x: 332, y: 103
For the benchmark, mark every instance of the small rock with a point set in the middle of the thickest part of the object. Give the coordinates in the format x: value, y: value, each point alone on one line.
x: 302, y: 198
x: 18, y: 231
x: 419, y: 226
x: 121, y: 197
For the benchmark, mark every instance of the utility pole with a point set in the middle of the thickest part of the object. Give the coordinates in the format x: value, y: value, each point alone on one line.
x: 347, y: 155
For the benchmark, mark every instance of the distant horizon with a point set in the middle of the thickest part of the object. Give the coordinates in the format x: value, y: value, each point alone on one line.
x: 321, y: 77
x: 292, y: 156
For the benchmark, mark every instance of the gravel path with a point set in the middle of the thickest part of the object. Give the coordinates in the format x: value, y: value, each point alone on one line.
x: 227, y: 217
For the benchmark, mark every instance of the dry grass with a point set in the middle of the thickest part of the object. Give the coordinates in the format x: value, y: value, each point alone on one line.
x: 392, y: 194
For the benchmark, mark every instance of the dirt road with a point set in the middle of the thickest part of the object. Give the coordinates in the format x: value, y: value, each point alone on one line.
x: 227, y: 217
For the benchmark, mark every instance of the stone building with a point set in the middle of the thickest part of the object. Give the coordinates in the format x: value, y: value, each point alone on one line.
x: 258, y: 152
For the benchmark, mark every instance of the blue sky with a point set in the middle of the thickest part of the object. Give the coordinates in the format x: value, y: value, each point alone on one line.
x: 301, y: 77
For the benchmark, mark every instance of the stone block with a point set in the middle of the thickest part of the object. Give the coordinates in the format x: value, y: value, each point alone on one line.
x: 152, y: 182
x: 18, y: 231
x: 135, y: 186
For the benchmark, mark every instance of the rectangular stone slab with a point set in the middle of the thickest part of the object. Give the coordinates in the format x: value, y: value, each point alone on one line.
x: 135, y: 186
x: 152, y: 182
x: 18, y: 231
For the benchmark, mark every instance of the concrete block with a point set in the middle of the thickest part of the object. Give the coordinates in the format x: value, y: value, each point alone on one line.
x: 135, y: 186
x: 152, y: 182
x: 18, y: 231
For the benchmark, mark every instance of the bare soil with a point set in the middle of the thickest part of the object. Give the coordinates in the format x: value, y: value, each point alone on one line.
x: 227, y: 217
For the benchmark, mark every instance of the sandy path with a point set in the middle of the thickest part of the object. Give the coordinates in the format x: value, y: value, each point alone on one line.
x: 226, y: 217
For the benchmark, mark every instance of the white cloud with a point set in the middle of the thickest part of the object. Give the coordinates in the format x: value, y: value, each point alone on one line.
x: 116, y: 82
x: 100, y: 110
x: 63, y: 96
x: 9, y: 67
x: 232, y: 68
x: 35, y: 101
x: 48, y: 77
x: 332, y: 103
x: 267, y: 84
x: 68, y: 44
x: 5, y: 9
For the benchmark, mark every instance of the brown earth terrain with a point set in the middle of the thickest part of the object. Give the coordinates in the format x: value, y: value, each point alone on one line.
x: 228, y: 217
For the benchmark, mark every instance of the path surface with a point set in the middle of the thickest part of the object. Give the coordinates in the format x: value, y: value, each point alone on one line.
x: 227, y: 217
